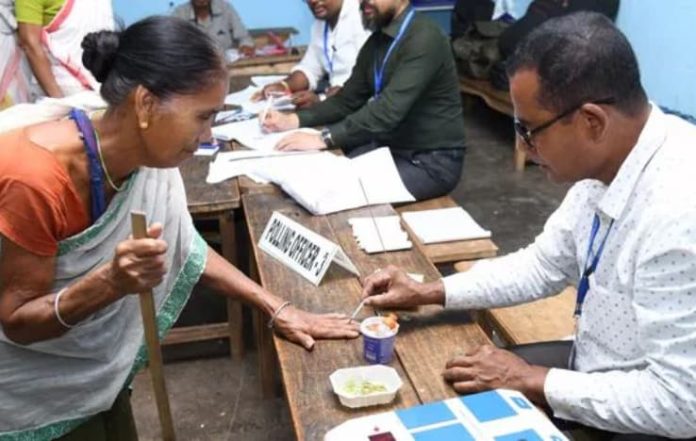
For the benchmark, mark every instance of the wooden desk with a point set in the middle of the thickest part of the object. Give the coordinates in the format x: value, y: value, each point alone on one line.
x: 448, y: 251
x: 265, y: 65
x: 427, y: 338
x: 218, y: 202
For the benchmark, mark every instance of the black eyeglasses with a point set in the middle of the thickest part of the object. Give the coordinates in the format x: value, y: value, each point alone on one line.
x: 526, y: 133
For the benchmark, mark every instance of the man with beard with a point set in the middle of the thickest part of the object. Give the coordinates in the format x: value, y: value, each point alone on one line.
x: 336, y: 38
x: 402, y: 93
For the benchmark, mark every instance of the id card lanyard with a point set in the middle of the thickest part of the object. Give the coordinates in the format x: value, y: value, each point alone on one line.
x: 329, y: 58
x: 591, y: 263
x: 379, y: 72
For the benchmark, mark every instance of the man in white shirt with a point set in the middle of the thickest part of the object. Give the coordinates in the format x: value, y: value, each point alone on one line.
x: 336, y: 38
x: 625, y: 235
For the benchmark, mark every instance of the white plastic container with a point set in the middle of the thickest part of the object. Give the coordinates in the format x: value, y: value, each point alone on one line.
x: 384, y: 375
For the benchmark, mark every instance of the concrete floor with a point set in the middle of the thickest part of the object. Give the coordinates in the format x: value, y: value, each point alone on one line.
x: 217, y: 399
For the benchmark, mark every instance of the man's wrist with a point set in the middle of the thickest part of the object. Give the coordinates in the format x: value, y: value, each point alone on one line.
x: 326, y: 138
x: 433, y: 293
x: 532, y: 383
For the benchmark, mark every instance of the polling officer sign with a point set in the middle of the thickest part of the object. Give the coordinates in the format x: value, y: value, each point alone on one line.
x: 301, y: 249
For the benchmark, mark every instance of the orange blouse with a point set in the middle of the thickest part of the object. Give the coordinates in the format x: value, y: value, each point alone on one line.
x: 39, y: 205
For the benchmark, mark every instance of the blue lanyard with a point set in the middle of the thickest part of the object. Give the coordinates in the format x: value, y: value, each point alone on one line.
x: 329, y: 59
x: 96, y: 173
x: 590, y: 263
x: 379, y: 73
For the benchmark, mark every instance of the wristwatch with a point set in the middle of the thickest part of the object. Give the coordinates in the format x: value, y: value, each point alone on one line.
x: 326, y: 137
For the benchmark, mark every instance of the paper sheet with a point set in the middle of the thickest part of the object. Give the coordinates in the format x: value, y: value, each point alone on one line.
x: 390, y: 237
x: 328, y: 183
x: 243, y: 99
x: 264, y: 80
x: 444, y: 225
x: 249, y: 134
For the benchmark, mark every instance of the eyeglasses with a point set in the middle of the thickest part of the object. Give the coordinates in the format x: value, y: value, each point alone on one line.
x: 526, y: 133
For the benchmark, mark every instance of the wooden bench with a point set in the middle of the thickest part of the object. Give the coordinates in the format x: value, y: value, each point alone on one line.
x: 497, y: 100
x: 449, y: 251
x: 548, y: 319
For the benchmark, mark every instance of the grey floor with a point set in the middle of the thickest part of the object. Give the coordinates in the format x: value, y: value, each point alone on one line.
x: 214, y: 398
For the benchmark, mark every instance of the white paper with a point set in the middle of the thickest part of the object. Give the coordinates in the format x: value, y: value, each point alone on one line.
x: 444, y: 225
x: 229, y: 165
x: 264, y: 80
x: 328, y: 183
x: 390, y: 236
x: 242, y: 98
x: 249, y: 134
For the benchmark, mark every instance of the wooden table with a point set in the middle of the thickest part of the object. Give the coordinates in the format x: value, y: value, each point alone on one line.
x: 265, y: 65
x: 427, y: 338
x: 217, y: 202
x: 447, y: 252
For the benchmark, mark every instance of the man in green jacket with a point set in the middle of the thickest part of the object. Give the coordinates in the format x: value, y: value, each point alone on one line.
x: 403, y: 93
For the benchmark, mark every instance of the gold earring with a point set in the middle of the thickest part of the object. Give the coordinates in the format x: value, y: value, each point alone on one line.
x: 144, y: 125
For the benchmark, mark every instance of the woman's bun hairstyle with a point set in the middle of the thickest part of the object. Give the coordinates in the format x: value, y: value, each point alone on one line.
x: 99, y: 52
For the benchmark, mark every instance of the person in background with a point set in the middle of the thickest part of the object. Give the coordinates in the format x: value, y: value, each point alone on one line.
x: 220, y: 21
x: 14, y: 78
x: 402, y: 93
x: 50, y: 33
x: 337, y: 35
x: 71, y: 336
x: 625, y: 235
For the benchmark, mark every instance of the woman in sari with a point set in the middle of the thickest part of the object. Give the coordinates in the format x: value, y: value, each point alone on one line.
x: 50, y: 32
x: 14, y: 85
x: 71, y: 336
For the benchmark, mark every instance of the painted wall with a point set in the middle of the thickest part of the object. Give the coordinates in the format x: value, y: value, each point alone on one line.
x: 661, y: 32
x: 254, y: 13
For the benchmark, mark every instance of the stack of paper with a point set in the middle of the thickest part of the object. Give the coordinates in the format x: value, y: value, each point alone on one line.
x: 328, y: 183
x: 444, y: 225
x: 321, y: 182
x: 377, y: 234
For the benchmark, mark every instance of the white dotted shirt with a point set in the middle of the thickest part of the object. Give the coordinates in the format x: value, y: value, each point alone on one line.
x: 635, y: 367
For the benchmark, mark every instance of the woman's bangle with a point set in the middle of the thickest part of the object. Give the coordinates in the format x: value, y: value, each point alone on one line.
x: 275, y: 315
x: 56, y: 309
x: 286, y: 86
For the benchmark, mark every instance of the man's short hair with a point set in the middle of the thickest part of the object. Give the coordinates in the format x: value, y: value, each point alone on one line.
x: 581, y: 57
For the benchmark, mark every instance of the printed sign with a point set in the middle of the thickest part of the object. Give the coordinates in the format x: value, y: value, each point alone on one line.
x: 301, y: 249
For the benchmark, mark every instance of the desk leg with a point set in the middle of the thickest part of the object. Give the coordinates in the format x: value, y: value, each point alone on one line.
x: 234, y: 307
x: 264, y: 343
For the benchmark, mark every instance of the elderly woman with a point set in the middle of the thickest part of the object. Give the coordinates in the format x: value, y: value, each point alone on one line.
x: 71, y: 337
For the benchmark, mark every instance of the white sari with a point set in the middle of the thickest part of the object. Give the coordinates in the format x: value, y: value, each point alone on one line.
x: 14, y: 84
x: 49, y: 388
x: 62, y: 39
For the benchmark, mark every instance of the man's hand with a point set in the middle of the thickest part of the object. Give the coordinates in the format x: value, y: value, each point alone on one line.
x: 300, y: 141
x: 247, y: 51
x: 302, y: 327
x: 268, y: 89
x: 274, y: 121
x: 333, y: 90
x: 304, y: 99
x: 393, y: 288
x: 488, y: 367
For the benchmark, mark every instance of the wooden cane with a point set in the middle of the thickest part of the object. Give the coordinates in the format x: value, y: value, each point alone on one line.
x: 147, y: 309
